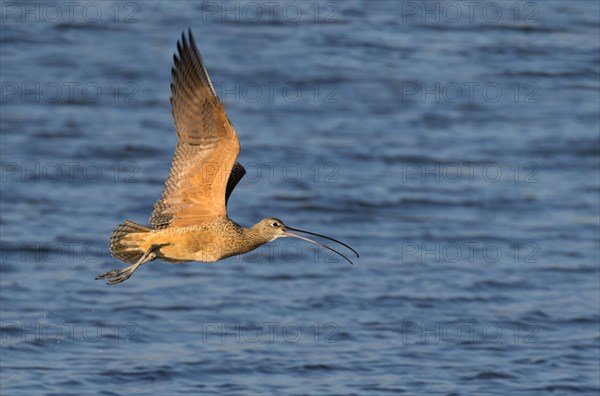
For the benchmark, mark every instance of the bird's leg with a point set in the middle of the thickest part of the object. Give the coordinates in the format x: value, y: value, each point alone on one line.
x: 118, y: 276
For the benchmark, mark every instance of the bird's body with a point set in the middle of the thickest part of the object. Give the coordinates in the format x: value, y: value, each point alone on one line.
x: 190, y: 222
x: 207, y: 242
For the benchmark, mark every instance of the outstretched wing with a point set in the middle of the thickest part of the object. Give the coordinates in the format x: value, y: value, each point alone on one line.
x: 195, y: 191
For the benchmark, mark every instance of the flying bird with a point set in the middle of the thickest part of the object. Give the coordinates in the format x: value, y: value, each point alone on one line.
x: 190, y: 222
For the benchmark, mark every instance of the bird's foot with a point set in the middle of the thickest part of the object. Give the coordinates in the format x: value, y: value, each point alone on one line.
x: 118, y: 276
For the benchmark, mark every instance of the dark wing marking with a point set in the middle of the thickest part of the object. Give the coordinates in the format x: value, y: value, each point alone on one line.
x: 236, y: 175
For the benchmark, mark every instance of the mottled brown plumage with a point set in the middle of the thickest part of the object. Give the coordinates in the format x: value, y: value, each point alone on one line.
x: 190, y: 222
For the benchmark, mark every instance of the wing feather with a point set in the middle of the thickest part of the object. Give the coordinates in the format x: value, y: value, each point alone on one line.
x: 197, y: 188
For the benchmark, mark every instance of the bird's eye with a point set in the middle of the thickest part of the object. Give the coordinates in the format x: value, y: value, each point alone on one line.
x: 275, y: 225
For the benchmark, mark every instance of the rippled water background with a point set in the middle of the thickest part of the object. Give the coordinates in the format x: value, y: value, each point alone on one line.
x: 455, y: 145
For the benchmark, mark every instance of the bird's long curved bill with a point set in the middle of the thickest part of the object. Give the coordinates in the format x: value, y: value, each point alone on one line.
x: 317, y: 243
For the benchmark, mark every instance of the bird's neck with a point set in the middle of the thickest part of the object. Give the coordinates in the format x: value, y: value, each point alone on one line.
x: 242, y: 240
x: 255, y: 237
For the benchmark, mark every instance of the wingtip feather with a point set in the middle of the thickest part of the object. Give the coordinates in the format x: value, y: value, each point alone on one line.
x: 184, y: 40
x: 191, y: 36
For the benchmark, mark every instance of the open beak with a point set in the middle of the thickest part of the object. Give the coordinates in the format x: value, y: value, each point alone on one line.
x: 289, y: 234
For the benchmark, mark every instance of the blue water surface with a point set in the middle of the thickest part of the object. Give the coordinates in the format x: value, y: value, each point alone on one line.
x: 454, y: 144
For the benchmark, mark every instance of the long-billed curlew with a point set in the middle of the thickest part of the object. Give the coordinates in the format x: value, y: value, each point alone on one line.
x: 190, y: 222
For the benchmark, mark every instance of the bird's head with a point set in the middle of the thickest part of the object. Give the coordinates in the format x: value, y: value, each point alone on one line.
x: 272, y: 228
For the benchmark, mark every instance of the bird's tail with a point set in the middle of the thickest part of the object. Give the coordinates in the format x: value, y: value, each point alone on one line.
x: 123, y: 246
